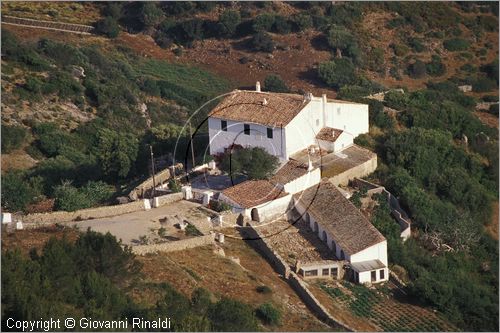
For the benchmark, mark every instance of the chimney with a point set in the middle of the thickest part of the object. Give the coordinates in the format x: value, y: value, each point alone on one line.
x: 257, y: 86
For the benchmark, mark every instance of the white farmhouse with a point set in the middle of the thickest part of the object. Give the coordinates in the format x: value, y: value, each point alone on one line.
x: 284, y: 124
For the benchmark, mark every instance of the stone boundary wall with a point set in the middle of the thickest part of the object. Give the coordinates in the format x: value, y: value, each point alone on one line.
x: 50, y: 25
x: 255, y: 239
x: 313, y: 304
x: 174, y: 245
x: 396, y: 211
x: 39, y: 219
x: 167, y: 199
x: 160, y: 177
x: 361, y: 170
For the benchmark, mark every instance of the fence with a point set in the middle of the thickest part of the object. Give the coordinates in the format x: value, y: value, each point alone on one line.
x: 50, y: 25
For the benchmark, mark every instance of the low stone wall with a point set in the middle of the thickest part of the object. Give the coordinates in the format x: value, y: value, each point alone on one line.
x: 313, y: 304
x: 361, y: 170
x: 84, y: 214
x: 255, y: 239
x: 167, y: 199
x: 174, y: 245
x: 140, y: 190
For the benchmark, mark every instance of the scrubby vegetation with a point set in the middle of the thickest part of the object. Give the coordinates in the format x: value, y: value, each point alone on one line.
x: 92, y: 278
x: 113, y: 147
x: 255, y: 163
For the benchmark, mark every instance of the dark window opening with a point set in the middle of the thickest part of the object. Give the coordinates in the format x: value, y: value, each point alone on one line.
x: 325, y: 271
x: 335, y: 272
x: 246, y: 129
x: 382, y: 274
x: 270, y: 133
x: 312, y: 273
x: 223, y: 125
x: 374, y: 275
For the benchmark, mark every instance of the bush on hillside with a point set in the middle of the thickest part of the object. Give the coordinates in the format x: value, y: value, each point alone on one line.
x: 228, y: 21
x: 275, y: 83
x: 435, y: 67
x: 263, y: 22
x: 302, y: 21
x: 269, y: 314
x: 338, y: 73
x: 417, y: 69
x: 108, y: 27
x: 262, y: 41
x: 18, y: 191
x: 231, y: 315
x: 282, y: 25
x: 484, y: 84
x: 13, y: 137
x: 149, y: 14
x: 456, y: 44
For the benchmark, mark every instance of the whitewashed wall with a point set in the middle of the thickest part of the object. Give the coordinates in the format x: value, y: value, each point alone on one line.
x: 365, y: 277
x: 235, y: 135
x: 377, y: 251
x: 352, y: 118
x: 300, y: 184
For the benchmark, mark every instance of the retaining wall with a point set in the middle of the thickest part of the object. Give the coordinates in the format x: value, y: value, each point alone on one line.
x: 255, y: 239
x: 50, y: 25
x: 167, y: 199
x: 140, y: 190
x: 313, y: 304
x: 174, y: 245
x: 83, y: 214
x: 361, y: 170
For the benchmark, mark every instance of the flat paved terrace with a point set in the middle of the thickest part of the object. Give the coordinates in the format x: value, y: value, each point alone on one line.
x: 333, y: 164
x: 215, y: 183
x: 295, y: 241
x: 129, y: 227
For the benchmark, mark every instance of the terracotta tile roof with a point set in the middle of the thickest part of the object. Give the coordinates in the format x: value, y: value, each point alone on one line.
x: 329, y: 134
x: 252, y: 193
x: 348, y: 227
x: 291, y: 170
x: 278, y: 109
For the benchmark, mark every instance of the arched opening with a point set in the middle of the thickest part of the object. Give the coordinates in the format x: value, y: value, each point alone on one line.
x: 315, y: 226
x: 308, y: 218
x: 334, y: 247
x: 324, y: 236
x: 255, y: 215
x: 342, y: 255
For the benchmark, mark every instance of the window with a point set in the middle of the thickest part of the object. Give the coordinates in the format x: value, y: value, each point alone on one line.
x: 269, y: 133
x: 335, y: 272
x: 223, y: 125
x: 374, y: 275
x: 246, y: 129
x: 325, y: 272
x: 382, y: 274
x: 312, y: 273
x: 338, y: 111
x: 317, y: 122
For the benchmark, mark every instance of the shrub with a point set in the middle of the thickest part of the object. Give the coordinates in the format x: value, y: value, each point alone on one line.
x: 269, y: 314
x: 174, y: 185
x: 108, y: 27
x: 191, y: 230
x: 263, y: 289
x: 396, y: 100
x: 417, y: 69
x: 302, y: 21
x: 416, y: 44
x: 341, y: 40
x: 263, y: 22
x: 275, y: 83
x: 17, y: 192
x: 219, y: 206
x: 337, y: 73
x: 282, y: 25
x: 493, y: 109
x: 484, y: 84
x: 456, y: 44
x: 231, y: 315
x: 201, y: 300
x: 150, y: 15
x: 69, y: 198
x: 13, y: 137
x: 97, y: 191
x: 435, y: 67
x: 228, y: 21
x: 262, y: 41
x: 399, y: 49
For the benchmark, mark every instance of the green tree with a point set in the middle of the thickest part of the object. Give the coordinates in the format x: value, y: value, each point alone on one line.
x: 116, y: 153
x: 263, y: 22
x: 275, y: 83
x: 228, y: 21
x: 268, y: 314
x: 17, y: 191
x: 337, y: 73
x: 262, y: 41
x: 69, y: 198
x: 255, y: 162
x: 150, y: 15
